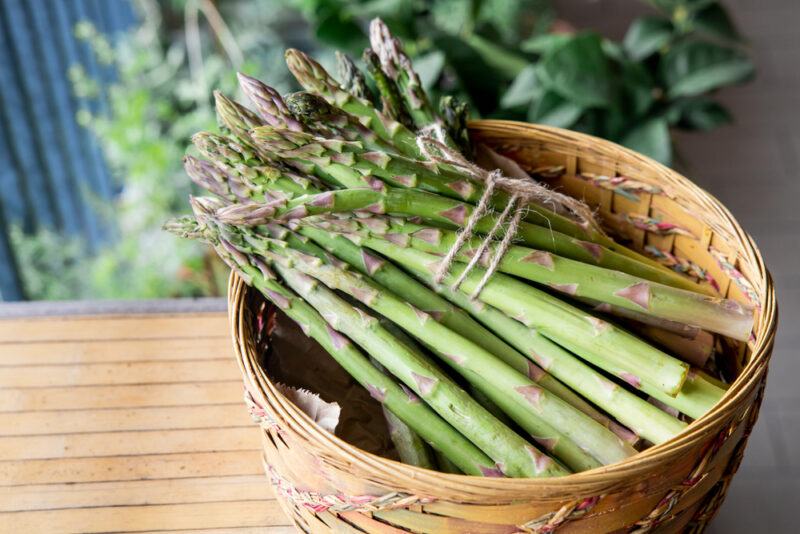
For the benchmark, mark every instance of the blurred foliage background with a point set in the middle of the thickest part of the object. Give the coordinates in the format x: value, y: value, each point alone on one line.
x: 511, y: 59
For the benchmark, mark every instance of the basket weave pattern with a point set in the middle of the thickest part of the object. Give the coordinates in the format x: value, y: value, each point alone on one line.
x: 327, y: 485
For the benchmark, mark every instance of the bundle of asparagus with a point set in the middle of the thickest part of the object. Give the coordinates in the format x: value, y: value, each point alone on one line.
x: 481, y: 311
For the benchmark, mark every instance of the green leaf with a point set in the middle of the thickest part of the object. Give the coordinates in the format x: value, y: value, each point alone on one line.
x: 553, y: 110
x: 579, y: 71
x: 637, y: 88
x: 542, y: 44
x: 695, y: 67
x: 646, y: 36
x: 453, y: 16
x: 701, y: 114
x: 340, y: 32
x: 513, y: 19
x: 651, y: 138
x: 715, y: 21
x: 521, y: 90
x: 429, y: 67
x: 676, y: 7
x: 505, y: 61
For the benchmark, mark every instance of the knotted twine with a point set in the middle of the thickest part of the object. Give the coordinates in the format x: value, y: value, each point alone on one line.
x: 523, y: 193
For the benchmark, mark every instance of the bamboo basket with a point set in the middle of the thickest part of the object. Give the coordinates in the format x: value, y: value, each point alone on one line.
x: 327, y: 485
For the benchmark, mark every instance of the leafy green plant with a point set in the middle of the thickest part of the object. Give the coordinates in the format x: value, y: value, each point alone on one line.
x: 157, y: 102
x: 504, y: 58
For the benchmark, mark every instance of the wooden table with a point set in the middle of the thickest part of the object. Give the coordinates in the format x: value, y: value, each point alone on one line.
x: 127, y: 423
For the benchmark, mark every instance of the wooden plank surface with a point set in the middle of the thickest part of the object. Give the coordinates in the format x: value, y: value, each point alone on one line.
x: 128, y: 424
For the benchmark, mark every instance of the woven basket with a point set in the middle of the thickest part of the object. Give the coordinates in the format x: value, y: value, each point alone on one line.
x: 327, y: 485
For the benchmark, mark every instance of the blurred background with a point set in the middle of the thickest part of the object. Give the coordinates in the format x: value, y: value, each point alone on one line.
x: 99, y: 99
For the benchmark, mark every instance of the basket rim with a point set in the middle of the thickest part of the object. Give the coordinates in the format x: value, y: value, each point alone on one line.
x: 257, y: 382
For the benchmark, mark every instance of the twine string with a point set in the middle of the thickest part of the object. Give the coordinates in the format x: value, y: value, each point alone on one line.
x: 523, y: 193
x: 466, y: 233
x: 505, y: 243
x: 529, y: 190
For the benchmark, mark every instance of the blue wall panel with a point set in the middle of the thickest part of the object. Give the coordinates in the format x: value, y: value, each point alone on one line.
x: 52, y: 170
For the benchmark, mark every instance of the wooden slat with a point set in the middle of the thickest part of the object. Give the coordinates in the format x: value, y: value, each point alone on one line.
x: 103, y: 374
x: 140, y: 350
x: 136, y: 492
x: 154, y: 466
x: 115, y: 420
x: 69, y: 398
x: 144, y: 518
x: 131, y: 424
x: 100, y: 444
x: 114, y: 327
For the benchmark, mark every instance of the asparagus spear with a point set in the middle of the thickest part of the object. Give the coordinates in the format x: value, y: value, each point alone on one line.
x: 397, y: 65
x: 405, y: 405
x: 269, y: 103
x: 579, y: 279
x: 313, y: 110
x: 410, y: 447
x: 254, y: 176
x: 455, y: 114
x: 604, y: 345
x: 532, y: 407
x: 352, y: 80
x: 391, y: 104
x: 235, y: 118
x: 632, y: 411
x: 398, y: 170
x: 313, y: 77
x: 600, y: 342
x: 441, y: 210
x: 394, y: 279
x: 513, y: 455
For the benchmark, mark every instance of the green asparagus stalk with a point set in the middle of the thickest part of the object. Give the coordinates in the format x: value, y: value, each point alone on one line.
x: 269, y: 104
x: 410, y: 447
x: 388, y: 275
x: 455, y: 114
x: 476, y: 394
x: 397, y: 281
x: 605, y: 346
x: 216, y: 180
x: 254, y: 176
x: 391, y: 104
x: 696, y: 398
x: 579, y: 279
x: 445, y: 465
x: 313, y: 77
x: 410, y: 202
x: 531, y: 406
x: 312, y: 110
x: 598, y: 341
x: 347, y: 164
x: 513, y: 455
x: 405, y: 405
x: 632, y: 411
x: 397, y: 65
x: 305, y: 150
x: 352, y: 79
x: 235, y: 118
